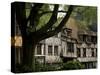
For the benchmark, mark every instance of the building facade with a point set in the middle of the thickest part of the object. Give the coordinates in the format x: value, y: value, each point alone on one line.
x: 87, y: 48
x: 82, y: 47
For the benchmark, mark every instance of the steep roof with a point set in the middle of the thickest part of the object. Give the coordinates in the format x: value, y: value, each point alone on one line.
x: 72, y: 24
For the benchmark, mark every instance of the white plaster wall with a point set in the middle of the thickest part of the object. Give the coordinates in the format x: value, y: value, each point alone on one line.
x: 53, y: 41
x: 87, y: 59
x: 64, y: 48
x: 75, y: 50
x: 53, y: 59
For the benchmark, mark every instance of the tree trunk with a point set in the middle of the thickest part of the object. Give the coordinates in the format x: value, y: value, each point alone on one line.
x: 28, y: 55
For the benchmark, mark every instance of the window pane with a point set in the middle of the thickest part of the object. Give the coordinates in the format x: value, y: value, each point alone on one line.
x: 96, y: 53
x: 84, y: 52
x: 55, y: 50
x: 39, y: 49
x: 49, y: 50
x: 92, y: 52
x: 84, y: 38
x: 78, y: 52
x: 70, y: 47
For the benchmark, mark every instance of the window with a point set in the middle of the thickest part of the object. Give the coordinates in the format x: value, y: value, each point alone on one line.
x: 39, y: 52
x: 96, y: 52
x: 92, y: 52
x: 89, y: 39
x: 70, y: 47
x: 84, y: 52
x: 94, y: 39
x: 84, y: 38
x: 49, y: 50
x: 55, y: 50
x: 78, y: 52
x: 80, y: 37
x: 68, y: 33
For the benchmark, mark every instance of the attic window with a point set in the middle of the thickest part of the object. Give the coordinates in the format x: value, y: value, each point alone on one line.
x: 65, y: 31
x: 69, y: 31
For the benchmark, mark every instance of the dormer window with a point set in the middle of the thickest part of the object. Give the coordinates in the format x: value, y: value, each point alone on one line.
x: 67, y: 32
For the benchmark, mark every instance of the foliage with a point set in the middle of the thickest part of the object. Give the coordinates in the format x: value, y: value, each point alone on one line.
x: 45, y: 67
x: 93, y: 27
x: 72, y: 65
x: 43, y: 20
x: 86, y: 16
x: 40, y: 67
x: 23, y: 68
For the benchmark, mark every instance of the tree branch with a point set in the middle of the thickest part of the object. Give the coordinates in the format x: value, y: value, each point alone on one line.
x: 46, y: 12
x: 65, y: 19
x: 51, y: 22
x: 58, y: 29
x: 34, y: 15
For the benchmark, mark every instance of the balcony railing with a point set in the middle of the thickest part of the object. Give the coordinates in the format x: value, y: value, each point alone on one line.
x: 87, y: 59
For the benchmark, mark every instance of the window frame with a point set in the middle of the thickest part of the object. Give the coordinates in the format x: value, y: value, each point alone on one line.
x: 56, y: 50
x: 70, y: 47
x: 39, y: 52
x: 84, y: 52
x: 50, y: 50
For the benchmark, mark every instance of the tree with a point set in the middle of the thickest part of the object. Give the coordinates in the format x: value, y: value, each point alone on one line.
x: 31, y: 35
x: 86, y: 17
